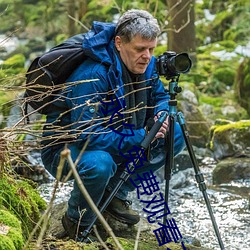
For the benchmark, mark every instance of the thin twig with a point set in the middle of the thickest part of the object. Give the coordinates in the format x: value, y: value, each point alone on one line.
x: 137, y: 236
x: 99, y: 238
x: 77, y: 21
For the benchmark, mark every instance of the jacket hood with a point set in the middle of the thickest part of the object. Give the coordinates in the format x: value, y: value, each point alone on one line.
x: 98, y: 43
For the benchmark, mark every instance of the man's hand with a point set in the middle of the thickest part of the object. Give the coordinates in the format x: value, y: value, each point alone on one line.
x: 164, y: 128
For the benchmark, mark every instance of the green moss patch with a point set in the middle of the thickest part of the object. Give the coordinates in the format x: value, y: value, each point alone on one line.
x: 10, y: 231
x: 22, y: 200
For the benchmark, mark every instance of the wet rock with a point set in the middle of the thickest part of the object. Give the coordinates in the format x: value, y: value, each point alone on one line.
x: 231, y: 169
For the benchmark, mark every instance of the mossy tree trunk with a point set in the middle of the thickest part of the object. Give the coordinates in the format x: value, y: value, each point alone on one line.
x: 242, y: 85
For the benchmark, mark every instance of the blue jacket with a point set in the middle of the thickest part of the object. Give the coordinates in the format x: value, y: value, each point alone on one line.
x: 88, y: 117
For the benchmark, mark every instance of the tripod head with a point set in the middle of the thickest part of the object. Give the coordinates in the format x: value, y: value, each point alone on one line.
x: 174, y: 89
x: 171, y: 65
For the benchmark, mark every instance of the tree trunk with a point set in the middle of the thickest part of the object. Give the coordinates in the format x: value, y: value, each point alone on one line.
x: 83, y: 7
x: 181, y: 27
x: 71, y: 6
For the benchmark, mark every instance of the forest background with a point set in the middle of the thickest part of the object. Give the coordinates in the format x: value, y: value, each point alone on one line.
x: 214, y: 33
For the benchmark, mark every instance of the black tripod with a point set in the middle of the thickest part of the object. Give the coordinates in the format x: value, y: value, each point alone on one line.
x: 173, y: 90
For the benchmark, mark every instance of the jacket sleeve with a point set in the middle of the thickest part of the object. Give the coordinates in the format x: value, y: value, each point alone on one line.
x: 88, y: 121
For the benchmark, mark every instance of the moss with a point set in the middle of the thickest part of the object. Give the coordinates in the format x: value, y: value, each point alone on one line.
x: 22, y: 200
x: 239, y: 128
x: 212, y: 100
x: 225, y: 75
x: 13, y: 239
x: 235, y: 125
x: 8, y: 219
x: 16, y: 237
x: 6, y: 243
x: 13, y: 70
x: 128, y: 244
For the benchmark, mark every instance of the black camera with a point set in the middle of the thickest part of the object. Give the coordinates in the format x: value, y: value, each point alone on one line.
x: 171, y: 65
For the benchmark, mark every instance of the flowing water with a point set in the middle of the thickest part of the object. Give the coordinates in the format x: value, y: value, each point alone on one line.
x: 230, y: 204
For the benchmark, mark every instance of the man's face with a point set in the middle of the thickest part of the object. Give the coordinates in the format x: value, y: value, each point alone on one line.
x: 137, y: 53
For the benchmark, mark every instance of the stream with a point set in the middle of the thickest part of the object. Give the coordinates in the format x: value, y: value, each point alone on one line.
x: 230, y: 204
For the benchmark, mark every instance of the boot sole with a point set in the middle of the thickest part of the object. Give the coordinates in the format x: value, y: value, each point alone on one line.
x: 121, y: 219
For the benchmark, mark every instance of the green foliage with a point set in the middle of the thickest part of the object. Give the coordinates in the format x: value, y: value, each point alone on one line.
x: 229, y: 22
x: 12, y: 67
x: 216, y: 67
x: 214, y: 101
x: 17, y: 61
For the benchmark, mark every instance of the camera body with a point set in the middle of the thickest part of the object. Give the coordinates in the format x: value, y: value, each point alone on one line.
x: 171, y: 65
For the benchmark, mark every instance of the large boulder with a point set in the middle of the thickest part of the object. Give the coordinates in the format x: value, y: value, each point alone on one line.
x: 230, y: 143
x: 230, y: 139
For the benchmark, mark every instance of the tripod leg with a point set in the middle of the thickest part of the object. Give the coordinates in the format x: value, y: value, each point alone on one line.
x: 169, y: 160
x: 199, y: 176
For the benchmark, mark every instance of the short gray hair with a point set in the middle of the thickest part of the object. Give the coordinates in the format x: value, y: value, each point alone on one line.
x: 137, y: 22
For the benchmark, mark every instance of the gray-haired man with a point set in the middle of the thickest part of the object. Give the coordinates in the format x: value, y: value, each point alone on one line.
x: 110, y: 114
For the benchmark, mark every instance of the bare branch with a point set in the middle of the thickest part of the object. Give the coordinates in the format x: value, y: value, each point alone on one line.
x: 66, y: 154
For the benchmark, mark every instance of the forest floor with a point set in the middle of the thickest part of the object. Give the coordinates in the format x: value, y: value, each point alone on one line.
x: 127, y: 236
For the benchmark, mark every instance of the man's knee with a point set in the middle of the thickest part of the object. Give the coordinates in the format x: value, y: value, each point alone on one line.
x: 97, y: 164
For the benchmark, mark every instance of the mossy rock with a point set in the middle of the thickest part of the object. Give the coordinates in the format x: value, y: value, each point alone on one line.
x: 21, y: 199
x: 231, y: 139
x: 11, y: 237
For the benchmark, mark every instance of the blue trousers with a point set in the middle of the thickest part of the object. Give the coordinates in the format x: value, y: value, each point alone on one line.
x: 100, y: 170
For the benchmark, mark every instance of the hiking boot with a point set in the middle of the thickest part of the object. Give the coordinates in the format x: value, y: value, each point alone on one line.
x: 75, y: 231
x: 121, y: 211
